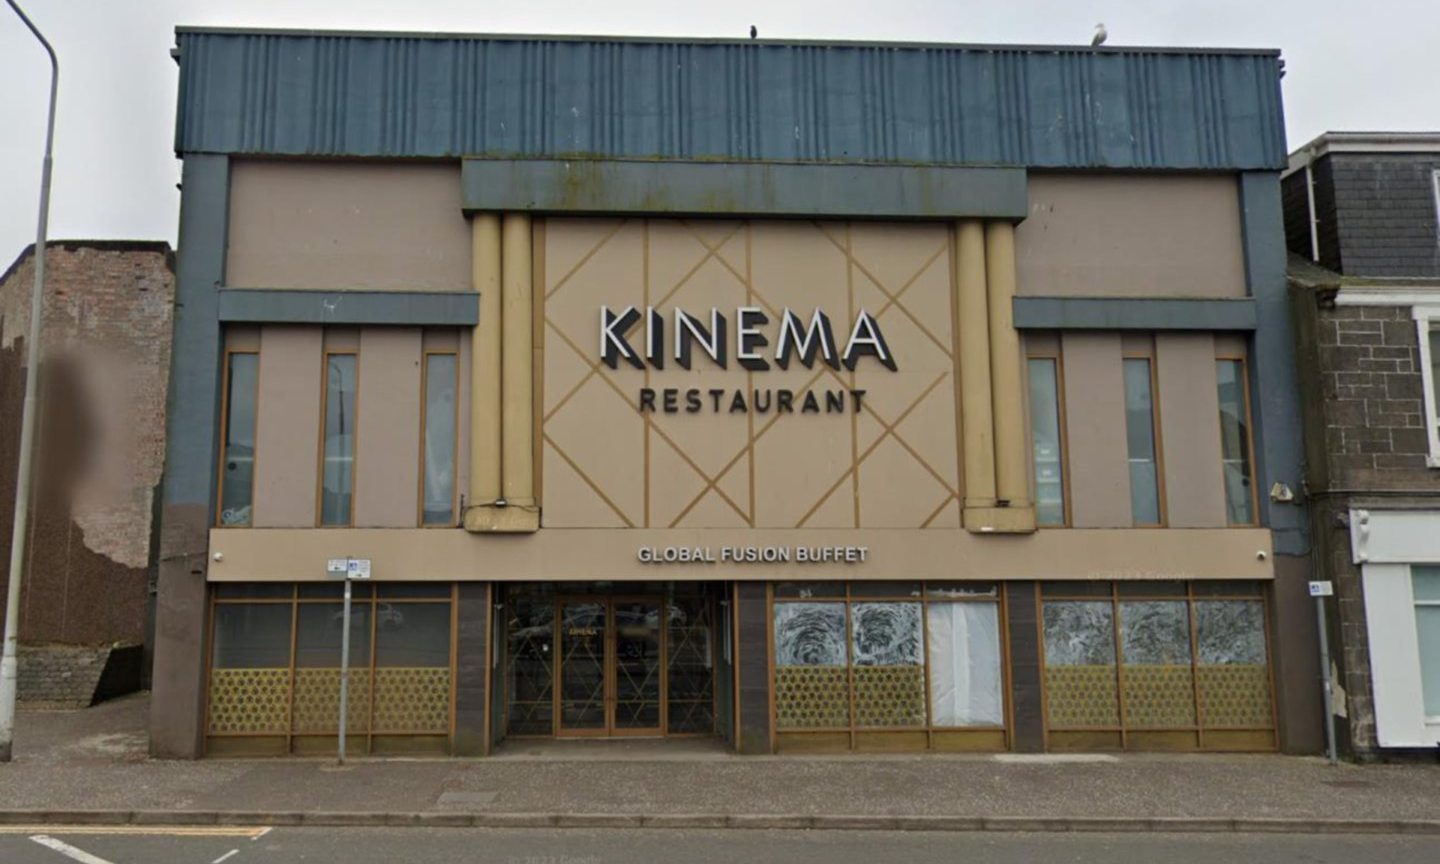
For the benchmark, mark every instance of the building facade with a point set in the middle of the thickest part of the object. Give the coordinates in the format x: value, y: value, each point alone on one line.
x: 1361, y: 224
x: 809, y: 396
x: 99, y: 454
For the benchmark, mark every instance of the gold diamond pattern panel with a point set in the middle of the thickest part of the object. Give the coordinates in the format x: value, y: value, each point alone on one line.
x: 248, y: 701
x: 812, y: 697
x: 1237, y: 695
x: 412, y: 700
x: 317, y: 701
x: 1078, y: 696
x: 1161, y: 696
x: 889, y: 696
x: 892, y: 464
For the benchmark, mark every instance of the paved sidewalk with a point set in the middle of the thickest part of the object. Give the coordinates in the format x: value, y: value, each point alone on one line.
x: 95, y: 760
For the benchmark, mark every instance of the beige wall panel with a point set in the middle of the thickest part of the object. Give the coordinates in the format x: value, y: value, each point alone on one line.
x: 1095, y: 425
x: 283, y: 555
x: 287, y: 427
x: 572, y: 499
x: 333, y: 225
x: 1091, y: 235
x: 387, y: 431
x: 1190, y: 430
x: 721, y: 468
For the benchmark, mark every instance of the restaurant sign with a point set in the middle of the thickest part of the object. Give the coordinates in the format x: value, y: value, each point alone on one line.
x: 795, y: 341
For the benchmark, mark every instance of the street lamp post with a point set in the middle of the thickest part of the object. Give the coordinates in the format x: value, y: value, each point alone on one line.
x: 8, y: 674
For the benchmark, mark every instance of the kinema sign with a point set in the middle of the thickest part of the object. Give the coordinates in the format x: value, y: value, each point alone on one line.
x: 795, y: 342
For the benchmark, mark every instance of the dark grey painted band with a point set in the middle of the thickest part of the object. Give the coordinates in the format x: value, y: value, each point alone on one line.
x: 743, y: 188
x: 1123, y: 313
x: 413, y: 308
x: 1276, y: 405
x: 194, y: 398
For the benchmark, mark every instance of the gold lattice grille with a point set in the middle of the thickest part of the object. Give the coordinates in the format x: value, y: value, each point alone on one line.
x: 245, y: 701
x: 811, y: 697
x: 1081, y: 696
x: 412, y: 699
x: 889, y: 695
x: 1159, y: 696
x: 1235, y: 695
x: 317, y: 701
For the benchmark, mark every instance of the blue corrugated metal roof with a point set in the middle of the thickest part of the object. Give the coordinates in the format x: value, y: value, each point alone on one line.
x: 438, y: 95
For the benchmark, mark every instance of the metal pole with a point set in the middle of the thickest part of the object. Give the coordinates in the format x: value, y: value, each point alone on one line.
x: 1328, y: 686
x: 8, y: 673
x: 345, y: 668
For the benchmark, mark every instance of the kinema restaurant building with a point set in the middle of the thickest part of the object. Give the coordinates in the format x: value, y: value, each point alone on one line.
x: 806, y: 396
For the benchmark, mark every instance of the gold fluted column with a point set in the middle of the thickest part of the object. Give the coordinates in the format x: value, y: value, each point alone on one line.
x: 484, y: 485
x: 1012, y: 465
x: 517, y: 365
x: 502, y: 374
x: 973, y: 339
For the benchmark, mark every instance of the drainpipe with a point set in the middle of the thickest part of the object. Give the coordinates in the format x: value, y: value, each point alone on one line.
x: 8, y: 673
x: 1310, y: 204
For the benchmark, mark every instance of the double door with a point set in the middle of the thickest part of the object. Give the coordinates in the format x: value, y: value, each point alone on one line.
x: 611, y: 674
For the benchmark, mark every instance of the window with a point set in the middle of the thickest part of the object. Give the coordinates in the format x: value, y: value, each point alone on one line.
x: 274, y: 679
x: 237, y: 451
x: 888, y: 664
x: 1427, y: 323
x: 337, y: 469
x: 1165, y: 665
x: 1425, y: 582
x: 438, y: 427
x: 1234, y: 393
x: 1046, y: 437
x: 1140, y: 438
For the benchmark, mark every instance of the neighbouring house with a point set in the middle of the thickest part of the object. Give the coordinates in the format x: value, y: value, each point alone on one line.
x: 1361, y: 215
x: 90, y: 561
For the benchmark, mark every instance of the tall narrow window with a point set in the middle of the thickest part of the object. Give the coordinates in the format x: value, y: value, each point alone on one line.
x: 1235, y: 442
x: 1433, y: 338
x: 1425, y: 581
x: 337, y: 470
x: 1140, y: 442
x: 1045, y: 441
x: 438, y: 468
x: 237, y: 473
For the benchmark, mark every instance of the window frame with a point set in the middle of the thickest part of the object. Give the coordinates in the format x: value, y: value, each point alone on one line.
x: 1057, y: 356
x: 225, y: 394
x: 1115, y: 597
x: 364, y: 594
x: 1427, y: 319
x: 1430, y: 719
x: 425, y: 356
x: 1148, y: 355
x: 325, y: 356
x: 1243, y: 360
x: 846, y: 599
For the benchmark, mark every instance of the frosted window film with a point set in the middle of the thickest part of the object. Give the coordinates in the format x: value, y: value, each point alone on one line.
x: 809, y: 634
x: 887, y: 634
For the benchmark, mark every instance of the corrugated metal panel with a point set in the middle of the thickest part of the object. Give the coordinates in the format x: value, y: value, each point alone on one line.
x: 433, y: 96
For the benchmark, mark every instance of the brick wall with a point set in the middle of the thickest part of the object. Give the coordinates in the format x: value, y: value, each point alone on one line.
x: 1371, y: 388
x: 101, y: 435
x: 1385, y: 213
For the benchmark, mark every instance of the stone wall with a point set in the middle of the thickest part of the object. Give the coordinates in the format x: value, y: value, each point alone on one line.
x: 100, y: 436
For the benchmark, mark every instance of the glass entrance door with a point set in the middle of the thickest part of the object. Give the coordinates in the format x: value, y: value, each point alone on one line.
x: 584, y: 644
x: 611, y: 670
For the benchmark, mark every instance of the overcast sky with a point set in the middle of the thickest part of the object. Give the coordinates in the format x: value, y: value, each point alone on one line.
x: 1350, y: 65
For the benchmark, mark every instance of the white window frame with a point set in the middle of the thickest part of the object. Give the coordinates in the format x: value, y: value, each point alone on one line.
x: 1428, y: 318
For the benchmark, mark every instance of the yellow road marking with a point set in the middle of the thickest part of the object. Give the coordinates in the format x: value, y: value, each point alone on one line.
x: 247, y: 832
